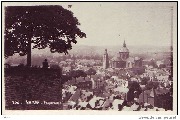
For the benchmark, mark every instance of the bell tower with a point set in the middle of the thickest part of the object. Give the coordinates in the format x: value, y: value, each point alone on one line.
x: 105, y: 60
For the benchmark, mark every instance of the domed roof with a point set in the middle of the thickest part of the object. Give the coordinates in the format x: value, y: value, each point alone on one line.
x: 124, y: 49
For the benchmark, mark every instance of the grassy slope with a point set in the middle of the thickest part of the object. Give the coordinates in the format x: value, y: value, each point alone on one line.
x: 32, y: 84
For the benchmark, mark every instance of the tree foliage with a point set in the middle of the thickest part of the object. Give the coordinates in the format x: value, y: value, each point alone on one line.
x: 65, y: 78
x: 91, y: 71
x: 43, y: 26
x: 77, y: 73
x: 74, y: 74
x: 145, y: 80
x: 151, y: 85
x: 134, y: 91
x: 81, y: 73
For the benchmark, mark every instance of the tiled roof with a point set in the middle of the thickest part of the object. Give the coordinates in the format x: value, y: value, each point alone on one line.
x: 75, y: 96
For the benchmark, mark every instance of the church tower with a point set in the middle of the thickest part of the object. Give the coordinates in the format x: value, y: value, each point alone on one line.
x: 105, y: 60
x: 124, y: 52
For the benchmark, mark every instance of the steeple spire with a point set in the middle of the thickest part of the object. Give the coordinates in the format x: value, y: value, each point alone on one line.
x: 124, y: 44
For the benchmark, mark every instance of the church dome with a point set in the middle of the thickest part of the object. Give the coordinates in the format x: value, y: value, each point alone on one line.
x: 124, y: 49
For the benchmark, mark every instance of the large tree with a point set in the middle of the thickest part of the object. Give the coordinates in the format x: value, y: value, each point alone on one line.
x: 39, y: 27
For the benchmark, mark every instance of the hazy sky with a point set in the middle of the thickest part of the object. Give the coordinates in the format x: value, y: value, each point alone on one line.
x: 110, y: 23
x: 137, y: 23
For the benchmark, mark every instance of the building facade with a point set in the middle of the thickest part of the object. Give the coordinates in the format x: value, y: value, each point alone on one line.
x: 119, y: 61
x: 123, y: 60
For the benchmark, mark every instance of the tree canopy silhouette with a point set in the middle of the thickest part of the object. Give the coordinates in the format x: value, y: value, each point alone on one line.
x: 39, y: 27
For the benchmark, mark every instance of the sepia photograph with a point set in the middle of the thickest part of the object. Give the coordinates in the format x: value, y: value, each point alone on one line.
x: 89, y: 56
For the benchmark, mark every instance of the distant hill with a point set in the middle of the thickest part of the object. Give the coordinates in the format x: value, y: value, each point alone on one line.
x: 146, y: 52
x: 112, y: 50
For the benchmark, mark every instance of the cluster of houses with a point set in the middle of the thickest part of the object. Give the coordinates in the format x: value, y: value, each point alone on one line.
x: 108, y: 89
x: 81, y: 99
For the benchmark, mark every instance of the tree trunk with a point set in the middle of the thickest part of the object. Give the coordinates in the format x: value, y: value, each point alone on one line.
x: 29, y: 54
